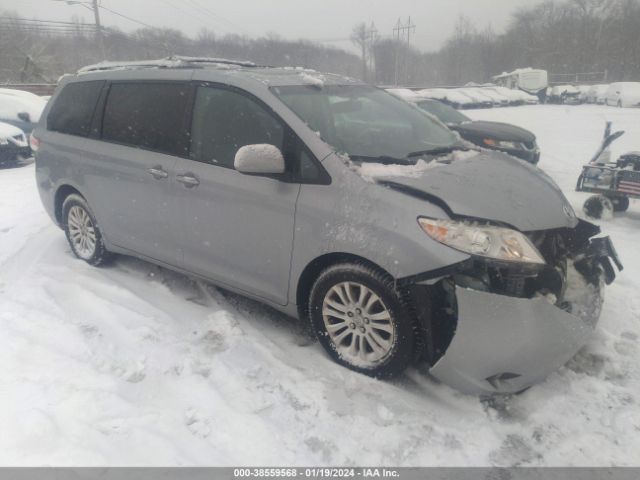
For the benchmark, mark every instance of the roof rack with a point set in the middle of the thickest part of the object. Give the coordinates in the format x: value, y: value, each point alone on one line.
x: 174, y: 61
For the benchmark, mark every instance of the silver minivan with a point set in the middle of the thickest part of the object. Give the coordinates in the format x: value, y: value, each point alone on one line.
x: 332, y: 201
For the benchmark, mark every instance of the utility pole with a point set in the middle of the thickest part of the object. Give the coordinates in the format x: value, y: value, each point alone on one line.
x: 99, y: 32
x: 399, y: 32
x: 95, y: 6
x: 365, y: 37
x: 371, y: 36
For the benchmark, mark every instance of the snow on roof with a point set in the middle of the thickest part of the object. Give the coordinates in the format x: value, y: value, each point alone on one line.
x: 312, y: 78
x: 169, y: 62
x: 267, y: 75
x: 518, y: 71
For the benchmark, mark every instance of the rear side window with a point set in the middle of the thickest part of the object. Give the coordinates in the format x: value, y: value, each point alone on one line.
x: 73, y: 110
x: 148, y: 115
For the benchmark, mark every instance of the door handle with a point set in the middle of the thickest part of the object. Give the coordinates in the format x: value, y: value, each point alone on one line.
x: 158, y: 173
x: 189, y: 180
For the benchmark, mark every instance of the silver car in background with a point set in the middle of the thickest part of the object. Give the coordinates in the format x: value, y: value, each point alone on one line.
x: 332, y: 201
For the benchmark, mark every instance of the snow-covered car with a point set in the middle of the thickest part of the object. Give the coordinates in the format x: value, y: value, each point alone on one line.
x: 504, y: 137
x: 564, y: 94
x: 527, y: 98
x: 450, y: 96
x: 20, y: 109
x: 512, y: 97
x: 584, y: 92
x: 597, y: 94
x: 486, y: 97
x: 14, y: 144
x: 480, y: 100
x: 623, y: 94
x: 329, y: 200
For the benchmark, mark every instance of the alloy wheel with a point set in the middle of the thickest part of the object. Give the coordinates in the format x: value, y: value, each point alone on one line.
x: 82, y: 232
x: 358, y: 323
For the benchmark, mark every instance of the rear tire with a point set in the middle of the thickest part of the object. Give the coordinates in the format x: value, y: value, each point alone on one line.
x: 362, y: 321
x: 598, y: 206
x: 82, y: 231
x: 620, y: 204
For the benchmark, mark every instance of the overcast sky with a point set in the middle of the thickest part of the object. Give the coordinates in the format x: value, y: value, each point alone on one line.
x: 330, y: 21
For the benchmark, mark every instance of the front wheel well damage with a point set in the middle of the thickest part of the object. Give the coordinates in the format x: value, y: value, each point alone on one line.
x: 429, y: 305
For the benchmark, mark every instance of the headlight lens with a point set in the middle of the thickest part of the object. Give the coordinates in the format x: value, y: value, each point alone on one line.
x: 503, y: 144
x: 483, y: 240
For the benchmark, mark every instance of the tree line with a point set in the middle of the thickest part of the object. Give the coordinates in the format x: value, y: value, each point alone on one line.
x: 570, y: 36
x: 574, y: 36
x: 29, y: 53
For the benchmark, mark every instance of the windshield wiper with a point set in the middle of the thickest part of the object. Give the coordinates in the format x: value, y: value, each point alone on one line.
x: 383, y: 159
x: 436, y: 151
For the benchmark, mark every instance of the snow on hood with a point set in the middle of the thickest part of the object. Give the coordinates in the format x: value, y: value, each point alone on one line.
x: 7, y: 131
x: 489, y: 185
x: 371, y: 171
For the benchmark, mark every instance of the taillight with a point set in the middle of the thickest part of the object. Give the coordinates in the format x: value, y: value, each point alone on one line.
x: 34, y: 142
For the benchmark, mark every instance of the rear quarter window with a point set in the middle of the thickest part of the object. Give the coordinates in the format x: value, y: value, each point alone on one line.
x: 72, y: 112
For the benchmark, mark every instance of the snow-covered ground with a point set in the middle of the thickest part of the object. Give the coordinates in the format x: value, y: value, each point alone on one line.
x: 135, y: 365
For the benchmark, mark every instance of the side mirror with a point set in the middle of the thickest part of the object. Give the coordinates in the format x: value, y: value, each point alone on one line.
x: 25, y: 117
x: 259, y: 159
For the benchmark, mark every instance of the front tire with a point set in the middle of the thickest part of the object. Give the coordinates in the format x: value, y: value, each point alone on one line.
x: 83, y: 234
x: 362, y: 321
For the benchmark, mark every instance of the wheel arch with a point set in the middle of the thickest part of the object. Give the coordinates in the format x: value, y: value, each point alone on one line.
x: 313, y: 269
x: 61, y: 194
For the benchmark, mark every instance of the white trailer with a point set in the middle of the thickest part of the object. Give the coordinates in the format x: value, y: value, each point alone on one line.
x: 530, y: 80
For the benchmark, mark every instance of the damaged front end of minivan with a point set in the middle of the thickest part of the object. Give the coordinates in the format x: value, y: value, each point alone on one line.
x: 494, y: 325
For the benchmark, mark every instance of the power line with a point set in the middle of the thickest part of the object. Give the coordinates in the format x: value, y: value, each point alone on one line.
x: 183, y: 10
x: 215, y: 16
x: 35, y: 20
x: 125, y: 16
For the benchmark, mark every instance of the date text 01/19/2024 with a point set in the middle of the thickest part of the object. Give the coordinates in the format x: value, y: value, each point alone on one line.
x: 320, y: 472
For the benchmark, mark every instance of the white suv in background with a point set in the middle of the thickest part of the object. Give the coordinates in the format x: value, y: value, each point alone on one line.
x: 623, y: 94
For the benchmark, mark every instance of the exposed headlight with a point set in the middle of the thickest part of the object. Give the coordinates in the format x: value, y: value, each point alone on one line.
x: 483, y: 240
x: 490, y: 142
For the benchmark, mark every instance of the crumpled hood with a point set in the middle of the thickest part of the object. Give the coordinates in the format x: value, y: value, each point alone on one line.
x: 496, y: 130
x: 491, y: 186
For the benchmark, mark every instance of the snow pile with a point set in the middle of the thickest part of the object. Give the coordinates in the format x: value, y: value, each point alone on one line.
x: 309, y: 77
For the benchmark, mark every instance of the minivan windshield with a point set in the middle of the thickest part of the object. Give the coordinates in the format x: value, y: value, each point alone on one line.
x: 367, y: 123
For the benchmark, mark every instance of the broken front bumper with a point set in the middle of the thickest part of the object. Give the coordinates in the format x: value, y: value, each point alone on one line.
x: 505, y: 344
